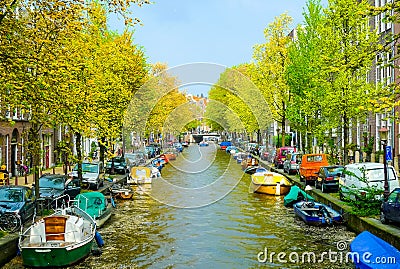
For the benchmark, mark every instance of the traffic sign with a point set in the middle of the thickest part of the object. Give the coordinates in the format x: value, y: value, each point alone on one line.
x: 388, y: 153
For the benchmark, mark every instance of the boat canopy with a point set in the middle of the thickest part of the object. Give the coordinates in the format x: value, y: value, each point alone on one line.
x: 92, y: 202
x: 225, y: 143
x: 140, y: 172
x: 296, y: 195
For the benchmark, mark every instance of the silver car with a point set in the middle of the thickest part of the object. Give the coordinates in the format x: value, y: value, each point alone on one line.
x: 92, y: 174
x: 291, y: 164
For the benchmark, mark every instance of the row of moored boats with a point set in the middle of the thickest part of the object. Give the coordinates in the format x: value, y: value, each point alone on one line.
x: 71, y: 233
x: 314, y: 213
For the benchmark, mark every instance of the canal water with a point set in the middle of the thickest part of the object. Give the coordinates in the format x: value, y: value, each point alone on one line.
x: 200, y: 214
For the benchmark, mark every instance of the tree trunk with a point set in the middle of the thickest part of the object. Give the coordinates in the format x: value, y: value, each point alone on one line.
x: 102, y: 149
x: 78, y: 148
x: 34, y: 148
x: 345, y: 137
x: 283, y: 131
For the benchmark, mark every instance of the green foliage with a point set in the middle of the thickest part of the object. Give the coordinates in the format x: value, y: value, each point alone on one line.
x: 364, y: 201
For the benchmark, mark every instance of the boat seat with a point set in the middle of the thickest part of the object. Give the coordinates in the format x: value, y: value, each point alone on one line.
x: 55, y: 228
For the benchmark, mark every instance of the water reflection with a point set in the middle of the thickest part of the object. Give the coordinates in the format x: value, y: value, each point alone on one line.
x: 229, y: 233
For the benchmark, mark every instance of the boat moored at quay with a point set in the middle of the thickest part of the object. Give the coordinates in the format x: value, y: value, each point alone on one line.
x: 257, y: 225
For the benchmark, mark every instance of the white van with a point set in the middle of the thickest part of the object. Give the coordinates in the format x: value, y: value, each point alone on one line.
x: 373, y: 173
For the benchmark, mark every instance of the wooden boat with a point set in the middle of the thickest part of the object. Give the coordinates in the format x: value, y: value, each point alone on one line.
x: 170, y: 155
x: 249, y: 161
x: 317, y: 214
x: 121, y: 192
x: 61, y: 239
x: 374, y: 248
x: 270, y: 183
x: 140, y: 175
x: 96, y: 205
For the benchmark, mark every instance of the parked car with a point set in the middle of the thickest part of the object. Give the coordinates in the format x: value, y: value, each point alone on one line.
x: 358, y: 177
x: 328, y: 177
x: 281, y: 154
x: 291, y: 164
x: 271, y: 155
x: 17, y: 200
x: 135, y: 159
x: 92, y: 174
x: 310, y: 165
x: 54, y: 186
x: 120, y: 165
x: 390, y: 209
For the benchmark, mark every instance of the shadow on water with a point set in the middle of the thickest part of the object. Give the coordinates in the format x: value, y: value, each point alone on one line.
x: 235, y: 231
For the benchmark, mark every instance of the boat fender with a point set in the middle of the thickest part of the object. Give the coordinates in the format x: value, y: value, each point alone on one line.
x: 99, y: 239
x: 113, y: 202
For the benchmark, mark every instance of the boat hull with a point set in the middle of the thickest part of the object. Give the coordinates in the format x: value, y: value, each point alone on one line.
x: 376, y: 248
x: 100, y: 221
x: 270, y: 189
x: 55, y: 257
x: 269, y: 183
x: 312, y: 215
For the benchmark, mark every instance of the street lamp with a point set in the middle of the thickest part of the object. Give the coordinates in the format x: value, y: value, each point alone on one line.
x: 383, y: 135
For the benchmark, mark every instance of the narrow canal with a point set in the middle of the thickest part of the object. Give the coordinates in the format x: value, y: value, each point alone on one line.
x: 202, y: 215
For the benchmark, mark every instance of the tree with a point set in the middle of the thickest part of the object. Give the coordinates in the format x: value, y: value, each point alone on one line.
x: 271, y: 61
x: 36, y: 77
x: 348, y: 49
x: 304, y: 75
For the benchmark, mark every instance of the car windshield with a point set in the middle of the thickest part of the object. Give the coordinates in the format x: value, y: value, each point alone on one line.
x: 55, y: 183
x: 314, y: 158
x: 87, y: 168
x: 11, y: 195
x: 334, y: 171
x: 117, y: 160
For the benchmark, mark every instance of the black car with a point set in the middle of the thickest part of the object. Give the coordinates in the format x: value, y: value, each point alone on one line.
x: 328, y: 177
x: 390, y: 209
x: 17, y: 200
x: 120, y: 166
x: 52, y: 187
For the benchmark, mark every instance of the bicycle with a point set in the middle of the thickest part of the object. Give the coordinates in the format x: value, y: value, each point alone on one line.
x: 10, y: 222
x: 23, y: 170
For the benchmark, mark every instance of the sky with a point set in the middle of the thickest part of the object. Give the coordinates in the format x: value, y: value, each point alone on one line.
x: 220, y: 32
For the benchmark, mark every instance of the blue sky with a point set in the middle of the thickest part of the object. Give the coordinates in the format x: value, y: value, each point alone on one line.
x: 223, y: 32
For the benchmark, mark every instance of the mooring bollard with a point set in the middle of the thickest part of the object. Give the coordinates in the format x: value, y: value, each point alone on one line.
x: 16, y: 179
x: 26, y: 179
x: 54, y: 170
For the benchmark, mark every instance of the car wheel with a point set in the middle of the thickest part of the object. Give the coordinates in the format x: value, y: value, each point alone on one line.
x: 383, y: 219
x: 341, y: 197
x: 316, y: 184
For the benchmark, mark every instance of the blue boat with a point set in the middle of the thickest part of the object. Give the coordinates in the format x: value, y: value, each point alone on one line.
x: 370, y: 249
x: 203, y: 144
x: 255, y: 169
x: 317, y: 214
